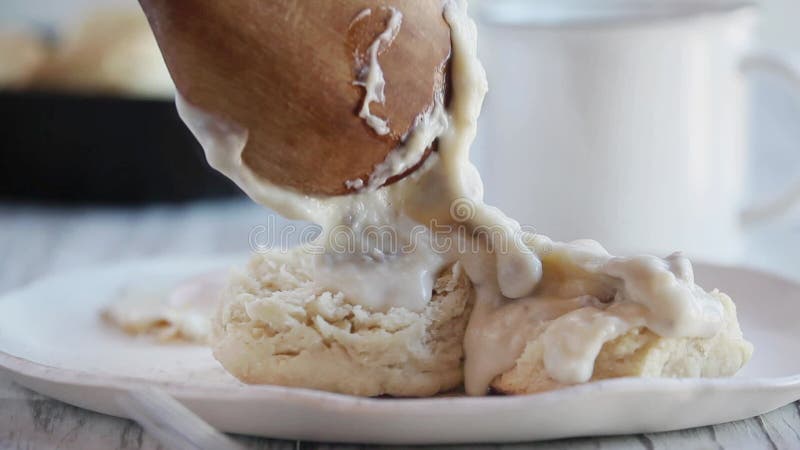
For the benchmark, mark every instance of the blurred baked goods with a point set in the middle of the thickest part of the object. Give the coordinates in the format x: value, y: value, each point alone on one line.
x: 172, y: 314
x: 109, y: 52
x: 22, y: 54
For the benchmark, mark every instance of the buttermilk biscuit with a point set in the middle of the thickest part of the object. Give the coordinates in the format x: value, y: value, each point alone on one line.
x: 275, y: 326
x: 641, y: 353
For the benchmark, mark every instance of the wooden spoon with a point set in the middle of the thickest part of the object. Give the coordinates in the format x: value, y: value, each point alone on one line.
x: 285, y: 70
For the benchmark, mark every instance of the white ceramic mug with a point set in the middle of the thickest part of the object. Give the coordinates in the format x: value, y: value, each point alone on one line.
x: 627, y: 124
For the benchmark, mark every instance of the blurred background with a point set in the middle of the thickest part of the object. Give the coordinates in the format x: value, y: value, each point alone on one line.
x: 90, y: 136
x: 779, y: 17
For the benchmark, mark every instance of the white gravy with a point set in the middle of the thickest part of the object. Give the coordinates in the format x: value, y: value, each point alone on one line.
x: 371, y: 78
x: 576, y: 294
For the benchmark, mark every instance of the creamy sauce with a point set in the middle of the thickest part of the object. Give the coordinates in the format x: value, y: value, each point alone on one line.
x: 585, y: 298
x: 371, y: 73
x: 576, y: 296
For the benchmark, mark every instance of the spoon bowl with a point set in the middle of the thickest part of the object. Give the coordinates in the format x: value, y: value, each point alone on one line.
x: 296, y: 75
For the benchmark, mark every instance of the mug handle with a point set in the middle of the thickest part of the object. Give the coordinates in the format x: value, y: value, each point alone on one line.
x: 787, y: 67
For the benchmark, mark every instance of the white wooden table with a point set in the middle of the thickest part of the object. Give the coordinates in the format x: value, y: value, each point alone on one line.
x: 35, y: 242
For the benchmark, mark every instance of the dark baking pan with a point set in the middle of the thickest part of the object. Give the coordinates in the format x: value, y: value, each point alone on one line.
x: 65, y: 148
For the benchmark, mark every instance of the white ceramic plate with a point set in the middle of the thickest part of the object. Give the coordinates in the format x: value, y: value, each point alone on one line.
x: 52, y: 341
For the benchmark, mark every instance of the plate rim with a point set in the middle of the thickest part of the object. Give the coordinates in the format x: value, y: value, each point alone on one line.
x: 20, y: 366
